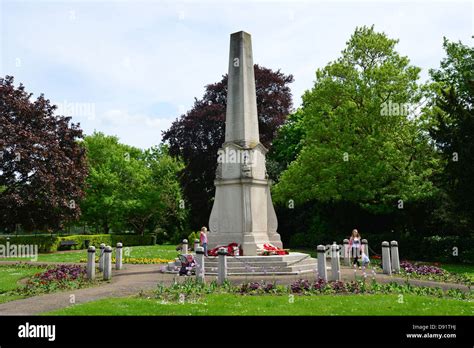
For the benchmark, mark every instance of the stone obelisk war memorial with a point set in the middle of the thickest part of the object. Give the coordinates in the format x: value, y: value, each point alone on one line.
x: 243, y: 211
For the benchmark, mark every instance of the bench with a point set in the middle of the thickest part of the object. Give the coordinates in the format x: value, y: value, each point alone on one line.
x: 67, y: 243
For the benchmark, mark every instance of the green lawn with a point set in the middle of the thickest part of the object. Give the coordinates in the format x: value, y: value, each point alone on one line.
x: 9, y: 277
x: 465, y: 269
x: 230, y: 304
x: 154, y: 251
x: 148, y: 251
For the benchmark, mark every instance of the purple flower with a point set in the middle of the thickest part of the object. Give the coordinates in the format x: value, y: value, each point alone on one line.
x: 319, y: 284
x: 269, y: 287
x: 254, y: 286
x: 300, y: 286
x: 420, y: 269
x: 338, y: 286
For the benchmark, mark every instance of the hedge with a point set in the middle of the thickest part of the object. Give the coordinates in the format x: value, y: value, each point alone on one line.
x: 433, y: 248
x: 46, y: 244
x: 131, y: 239
x: 49, y: 244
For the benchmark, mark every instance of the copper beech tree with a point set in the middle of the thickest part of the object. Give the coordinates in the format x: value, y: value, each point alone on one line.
x: 42, y: 162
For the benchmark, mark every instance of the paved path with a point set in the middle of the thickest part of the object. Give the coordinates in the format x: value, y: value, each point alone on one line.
x: 126, y: 282
x: 135, y: 278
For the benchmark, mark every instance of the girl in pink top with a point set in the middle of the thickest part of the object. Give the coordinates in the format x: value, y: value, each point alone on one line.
x: 355, y: 246
x: 203, y: 239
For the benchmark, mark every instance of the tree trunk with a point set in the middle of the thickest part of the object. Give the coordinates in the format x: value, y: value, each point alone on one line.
x: 106, y: 228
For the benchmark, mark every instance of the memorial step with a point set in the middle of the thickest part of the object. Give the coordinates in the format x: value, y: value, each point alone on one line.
x: 294, y: 263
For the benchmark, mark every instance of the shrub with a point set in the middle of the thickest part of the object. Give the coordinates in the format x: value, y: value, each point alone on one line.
x: 46, y: 243
x: 440, y: 248
x: 161, y: 235
x: 132, y: 239
x: 94, y: 239
x: 192, y: 236
x: 304, y: 240
x: 49, y: 244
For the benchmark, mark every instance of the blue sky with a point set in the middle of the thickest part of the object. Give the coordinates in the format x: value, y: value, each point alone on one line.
x: 135, y: 66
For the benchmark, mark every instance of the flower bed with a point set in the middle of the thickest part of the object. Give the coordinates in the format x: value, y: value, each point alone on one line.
x: 430, y: 272
x: 136, y: 260
x: 55, y: 278
x: 144, y: 260
x: 191, y: 290
x: 409, y: 267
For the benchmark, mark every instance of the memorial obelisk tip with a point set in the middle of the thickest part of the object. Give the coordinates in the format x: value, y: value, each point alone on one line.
x: 241, y: 114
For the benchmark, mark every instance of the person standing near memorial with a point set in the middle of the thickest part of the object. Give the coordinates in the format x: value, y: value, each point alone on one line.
x: 203, y: 239
x: 355, y: 246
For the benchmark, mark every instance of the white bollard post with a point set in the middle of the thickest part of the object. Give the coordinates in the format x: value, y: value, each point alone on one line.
x: 322, y: 270
x: 335, y: 264
x: 222, y: 266
x: 185, y: 246
x: 196, y: 244
x: 365, y: 247
x: 91, y: 263
x: 107, y: 263
x: 394, y: 256
x: 118, y: 256
x: 347, y: 258
x: 386, y: 264
x: 200, y: 267
x: 101, y: 257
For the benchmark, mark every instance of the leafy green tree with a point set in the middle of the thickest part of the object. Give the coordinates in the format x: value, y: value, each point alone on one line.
x: 286, y: 145
x: 131, y: 189
x: 451, y: 113
x: 109, y: 164
x: 362, y: 142
x: 157, y: 200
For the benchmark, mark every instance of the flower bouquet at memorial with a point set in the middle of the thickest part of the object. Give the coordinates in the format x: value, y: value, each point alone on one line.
x: 233, y: 249
x: 268, y: 249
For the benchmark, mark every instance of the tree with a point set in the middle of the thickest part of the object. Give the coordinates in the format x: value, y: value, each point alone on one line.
x: 111, y: 167
x: 131, y: 189
x: 197, y: 136
x: 451, y: 113
x: 42, y: 162
x: 362, y: 142
x: 155, y: 202
x: 286, y: 145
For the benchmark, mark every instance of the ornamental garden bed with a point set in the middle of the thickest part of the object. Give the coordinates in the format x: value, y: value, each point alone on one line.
x: 135, y: 260
x: 426, y: 271
x: 432, y: 272
x: 191, y: 290
x: 42, y: 279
